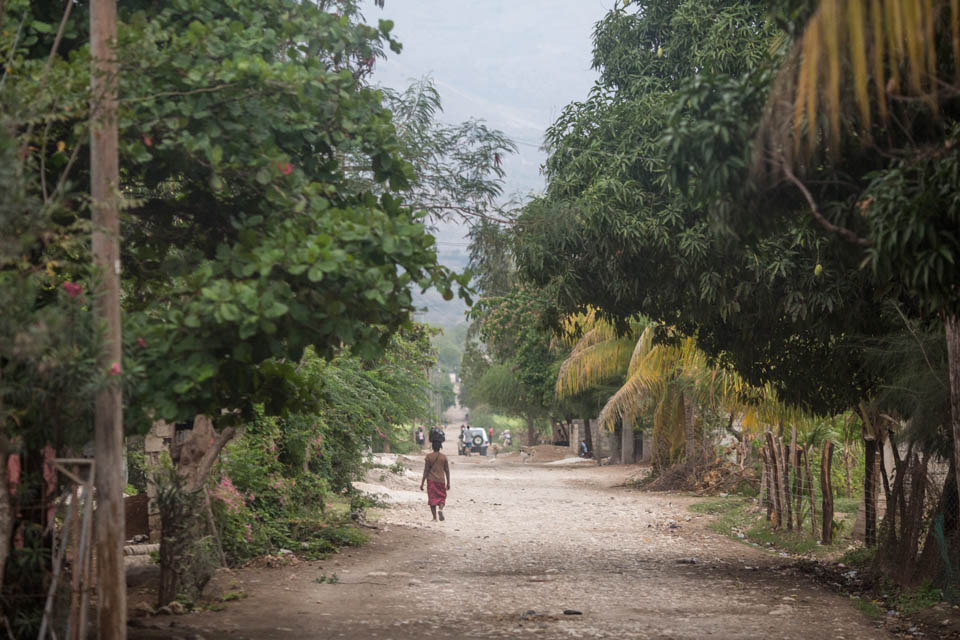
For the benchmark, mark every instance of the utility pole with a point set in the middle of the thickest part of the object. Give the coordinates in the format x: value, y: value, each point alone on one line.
x: 104, y: 186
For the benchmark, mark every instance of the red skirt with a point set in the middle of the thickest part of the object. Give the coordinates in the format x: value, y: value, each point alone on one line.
x: 436, y: 493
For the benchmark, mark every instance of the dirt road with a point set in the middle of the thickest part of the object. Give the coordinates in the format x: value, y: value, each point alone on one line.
x: 521, y: 544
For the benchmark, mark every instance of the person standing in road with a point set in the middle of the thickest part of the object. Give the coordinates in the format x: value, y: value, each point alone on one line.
x: 420, y: 436
x: 436, y: 473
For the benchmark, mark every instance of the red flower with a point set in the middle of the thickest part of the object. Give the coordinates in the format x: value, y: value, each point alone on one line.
x: 147, y: 140
x: 73, y: 290
x: 115, y: 369
x: 285, y: 168
x: 141, y: 343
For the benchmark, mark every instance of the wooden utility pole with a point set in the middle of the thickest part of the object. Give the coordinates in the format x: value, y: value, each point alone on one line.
x: 104, y: 186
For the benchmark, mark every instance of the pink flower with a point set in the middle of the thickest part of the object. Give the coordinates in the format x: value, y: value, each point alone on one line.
x: 285, y: 168
x: 115, y: 369
x: 141, y: 343
x: 73, y: 290
x: 228, y: 494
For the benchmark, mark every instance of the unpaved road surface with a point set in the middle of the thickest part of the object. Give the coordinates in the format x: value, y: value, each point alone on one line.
x: 521, y: 544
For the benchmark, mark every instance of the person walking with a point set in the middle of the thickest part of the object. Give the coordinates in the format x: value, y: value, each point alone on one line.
x: 436, y: 473
x: 420, y: 436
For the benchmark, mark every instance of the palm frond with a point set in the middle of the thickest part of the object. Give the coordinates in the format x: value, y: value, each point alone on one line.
x: 854, y: 56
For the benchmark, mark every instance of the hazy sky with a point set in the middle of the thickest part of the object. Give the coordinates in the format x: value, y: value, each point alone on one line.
x: 512, y: 63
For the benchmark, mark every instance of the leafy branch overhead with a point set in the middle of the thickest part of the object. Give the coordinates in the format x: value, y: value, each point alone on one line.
x: 246, y: 237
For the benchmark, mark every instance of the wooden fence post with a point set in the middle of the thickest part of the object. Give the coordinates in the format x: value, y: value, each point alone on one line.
x: 775, y: 480
x: 813, y: 504
x: 826, y: 490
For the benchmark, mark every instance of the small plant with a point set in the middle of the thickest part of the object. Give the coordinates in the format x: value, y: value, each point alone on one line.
x: 858, y: 558
x: 397, y: 468
x: 914, y: 600
x: 867, y: 607
x: 363, y: 501
x: 324, y: 579
x: 343, y: 536
x: 230, y: 596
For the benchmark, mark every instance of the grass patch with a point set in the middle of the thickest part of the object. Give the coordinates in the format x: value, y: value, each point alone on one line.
x: 716, y: 507
x: 343, y: 536
x: 859, y: 558
x: 867, y: 607
x: 914, y: 600
x: 231, y: 596
x: 737, y: 517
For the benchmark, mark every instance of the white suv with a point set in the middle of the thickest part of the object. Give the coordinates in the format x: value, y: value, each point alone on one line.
x: 473, y: 440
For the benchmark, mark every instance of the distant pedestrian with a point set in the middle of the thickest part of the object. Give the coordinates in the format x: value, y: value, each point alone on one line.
x: 436, y: 473
x: 420, y: 436
x: 490, y: 433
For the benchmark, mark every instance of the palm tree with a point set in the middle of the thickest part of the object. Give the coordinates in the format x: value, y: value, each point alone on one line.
x: 671, y: 378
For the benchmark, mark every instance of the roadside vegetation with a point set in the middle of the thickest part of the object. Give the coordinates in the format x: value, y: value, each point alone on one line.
x: 745, y: 258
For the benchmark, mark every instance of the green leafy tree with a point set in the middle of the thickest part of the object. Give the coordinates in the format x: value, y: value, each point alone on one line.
x: 631, y: 222
x: 457, y: 169
x: 884, y: 75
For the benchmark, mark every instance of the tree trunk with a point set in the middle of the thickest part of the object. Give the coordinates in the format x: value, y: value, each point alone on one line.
x: 531, y: 432
x: 870, y: 492
x: 6, y: 512
x: 554, y: 431
x: 797, y: 476
x: 930, y: 564
x: 179, y: 514
x: 627, y: 453
x: 952, y: 330
x: 826, y: 490
x: 689, y: 430
x: 615, y: 442
x: 108, y: 406
x: 846, y: 467
x: 588, y: 437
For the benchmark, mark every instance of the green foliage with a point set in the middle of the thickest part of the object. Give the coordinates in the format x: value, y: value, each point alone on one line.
x: 517, y: 373
x: 457, y: 170
x: 739, y: 519
x: 325, y: 579
x: 912, y: 210
x: 867, y: 607
x: 639, y: 219
x: 247, y: 236
x: 449, y: 344
x: 860, y: 558
x: 911, y: 601
x: 277, y: 477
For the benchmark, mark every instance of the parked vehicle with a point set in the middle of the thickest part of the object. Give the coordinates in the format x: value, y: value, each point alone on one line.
x: 473, y: 440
